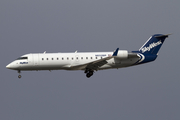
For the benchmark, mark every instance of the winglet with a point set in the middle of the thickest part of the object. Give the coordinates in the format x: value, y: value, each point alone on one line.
x: 116, y: 52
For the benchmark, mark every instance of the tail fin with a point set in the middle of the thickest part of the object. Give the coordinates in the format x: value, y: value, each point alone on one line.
x: 153, y: 44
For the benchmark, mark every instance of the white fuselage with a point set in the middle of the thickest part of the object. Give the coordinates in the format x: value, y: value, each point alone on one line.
x: 68, y: 61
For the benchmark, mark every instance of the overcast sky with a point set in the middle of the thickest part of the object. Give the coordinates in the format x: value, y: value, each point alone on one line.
x: 144, y: 92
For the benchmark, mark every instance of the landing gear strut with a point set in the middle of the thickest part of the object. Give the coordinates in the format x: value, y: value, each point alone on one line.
x: 19, y: 76
x: 89, y: 73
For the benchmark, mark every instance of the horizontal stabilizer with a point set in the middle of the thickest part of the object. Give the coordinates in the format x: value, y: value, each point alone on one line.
x: 162, y: 36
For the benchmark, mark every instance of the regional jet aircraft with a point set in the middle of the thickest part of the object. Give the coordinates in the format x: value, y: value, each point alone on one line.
x: 89, y: 62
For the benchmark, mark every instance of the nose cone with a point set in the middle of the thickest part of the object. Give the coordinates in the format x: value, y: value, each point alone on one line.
x: 12, y: 66
x: 8, y: 66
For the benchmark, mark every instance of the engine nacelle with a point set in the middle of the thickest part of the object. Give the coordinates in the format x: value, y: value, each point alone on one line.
x: 122, y: 54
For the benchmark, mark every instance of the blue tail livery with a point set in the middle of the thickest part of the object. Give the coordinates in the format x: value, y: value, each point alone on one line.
x: 149, y: 51
x: 153, y: 44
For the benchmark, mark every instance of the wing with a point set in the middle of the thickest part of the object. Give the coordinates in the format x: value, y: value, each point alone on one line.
x: 95, y: 64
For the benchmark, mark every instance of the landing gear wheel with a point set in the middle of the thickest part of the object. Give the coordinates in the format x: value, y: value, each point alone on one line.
x: 89, y: 73
x: 19, y: 76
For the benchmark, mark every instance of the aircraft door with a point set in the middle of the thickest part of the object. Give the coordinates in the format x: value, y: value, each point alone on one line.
x: 35, y: 59
x: 30, y: 59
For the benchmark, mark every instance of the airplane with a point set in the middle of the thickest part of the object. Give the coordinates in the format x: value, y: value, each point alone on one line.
x: 89, y: 62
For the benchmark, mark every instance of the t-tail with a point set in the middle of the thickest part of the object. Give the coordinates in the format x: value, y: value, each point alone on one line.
x: 149, y: 51
x: 153, y: 44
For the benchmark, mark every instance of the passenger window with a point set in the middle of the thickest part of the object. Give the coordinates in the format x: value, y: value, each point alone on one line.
x: 86, y: 57
x: 42, y: 58
x: 67, y: 58
x: 91, y: 58
x: 72, y: 58
x: 47, y: 58
x: 81, y: 57
x: 62, y: 58
x: 52, y: 58
x: 57, y: 58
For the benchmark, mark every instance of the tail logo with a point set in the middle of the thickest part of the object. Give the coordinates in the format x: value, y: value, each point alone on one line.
x: 142, y: 57
x: 152, y: 45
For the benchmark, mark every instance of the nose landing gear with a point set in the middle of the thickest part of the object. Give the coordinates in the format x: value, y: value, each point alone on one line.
x: 19, y: 76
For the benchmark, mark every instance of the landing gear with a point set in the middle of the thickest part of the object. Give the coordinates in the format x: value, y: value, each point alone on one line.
x: 19, y: 76
x: 89, y: 73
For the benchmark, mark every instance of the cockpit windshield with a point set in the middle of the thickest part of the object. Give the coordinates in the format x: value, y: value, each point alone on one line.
x: 22, y: 58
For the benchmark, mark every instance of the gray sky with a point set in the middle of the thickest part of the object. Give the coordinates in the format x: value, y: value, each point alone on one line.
x: 144, y: 92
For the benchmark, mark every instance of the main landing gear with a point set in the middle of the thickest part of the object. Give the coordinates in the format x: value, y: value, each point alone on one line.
x: 89, y: 72
x: 19, y: 76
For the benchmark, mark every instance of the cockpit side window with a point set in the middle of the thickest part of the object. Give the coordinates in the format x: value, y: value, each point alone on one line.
x: 22, y: 58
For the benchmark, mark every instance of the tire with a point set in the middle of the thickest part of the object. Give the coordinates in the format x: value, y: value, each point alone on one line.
x: 19, y: 76
x: 88, y: 75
